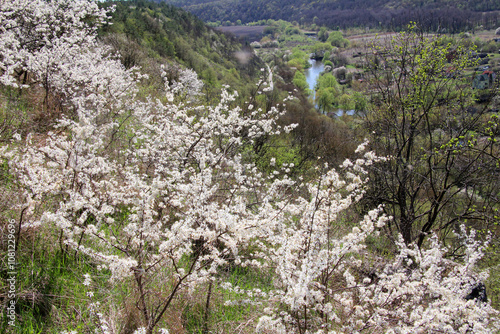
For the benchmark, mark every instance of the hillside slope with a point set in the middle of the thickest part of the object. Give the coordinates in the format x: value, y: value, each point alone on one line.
x: 147, y: 34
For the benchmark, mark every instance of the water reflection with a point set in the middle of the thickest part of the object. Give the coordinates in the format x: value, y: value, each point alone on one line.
x: 341, y: 112
x: 313, y: 72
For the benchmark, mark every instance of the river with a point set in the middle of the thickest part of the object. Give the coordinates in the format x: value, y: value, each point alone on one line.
x: 313, y: 72
x: 312, y: 75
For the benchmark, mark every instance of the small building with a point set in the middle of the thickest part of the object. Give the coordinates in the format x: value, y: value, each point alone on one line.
x: 484, y: 80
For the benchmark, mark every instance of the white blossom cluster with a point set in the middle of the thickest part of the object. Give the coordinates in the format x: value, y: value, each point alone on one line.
x: 420, y: 292
x: 323, y: 287
x: 50, y: 44
x: 161, y: 189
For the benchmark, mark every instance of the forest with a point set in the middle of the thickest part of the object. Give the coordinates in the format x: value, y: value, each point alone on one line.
x: 160, y: 176
x: 441, y: 16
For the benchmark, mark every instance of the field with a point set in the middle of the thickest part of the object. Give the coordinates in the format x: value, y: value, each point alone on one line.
x: 250, y: 33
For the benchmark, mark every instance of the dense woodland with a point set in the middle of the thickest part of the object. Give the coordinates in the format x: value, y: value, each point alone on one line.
x: 441, y: 16
x: 158, y: 176
x: 144, y: 33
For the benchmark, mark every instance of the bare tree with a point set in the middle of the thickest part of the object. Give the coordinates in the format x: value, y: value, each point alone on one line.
x: 443, y: 169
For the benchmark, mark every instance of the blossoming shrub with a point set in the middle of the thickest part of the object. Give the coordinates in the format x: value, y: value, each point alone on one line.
x: 418, y: 292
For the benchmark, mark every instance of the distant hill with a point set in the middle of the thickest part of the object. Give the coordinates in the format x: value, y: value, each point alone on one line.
x: 452, y: 15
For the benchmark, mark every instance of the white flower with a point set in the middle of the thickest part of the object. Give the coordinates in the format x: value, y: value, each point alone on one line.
x: 87, y: 280
x: 140, y: 330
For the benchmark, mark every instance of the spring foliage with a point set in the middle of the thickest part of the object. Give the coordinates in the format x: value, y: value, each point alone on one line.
x: 162, y: 192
